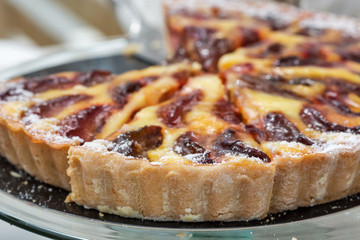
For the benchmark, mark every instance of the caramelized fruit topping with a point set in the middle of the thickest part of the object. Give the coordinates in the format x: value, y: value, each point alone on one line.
x: 138, y: 143
x: 266, y: 83
x: 275, y: 48
x: 226, y: 112
x: 258, y: 135
x: 311, y: 31
x: 314, y: 119
x: 278, y: 128
x: 182, y: 77
x: 302, y: 81
x: 187, y: 145
x: 290, y: 61
x: 249, y: 36
x: 210, y: 51
x: 42, y: 84
x: 207, y: 48
x: 172, y: 113
x: 336, y: 94
x: 53, y: 106
x: 312, y: 51
x: 352, y: 55
x: 227, y: 143
x: 121, y: 93
x: 11, y: 93
x: 92, y: 78
x: 271, y: 50
x: 180, y: 55
x: 294, y: 61
x: 335, y: 100
x: 86, y: 123
x: 275, y: 23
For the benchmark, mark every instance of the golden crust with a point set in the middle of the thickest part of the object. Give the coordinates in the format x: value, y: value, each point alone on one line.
x: 36, y: 158
x: 229, y: 191
x: 111, y: 183
x: 314, y: 179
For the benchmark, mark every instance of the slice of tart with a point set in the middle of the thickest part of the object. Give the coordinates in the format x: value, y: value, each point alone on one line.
x: 189, y: 158
x: 41, y: 117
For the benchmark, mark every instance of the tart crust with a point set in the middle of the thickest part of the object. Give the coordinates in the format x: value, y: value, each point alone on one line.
x: 137, y: 188
x: 230, y: 191
x: 39, y: 159
x: 315, y: 178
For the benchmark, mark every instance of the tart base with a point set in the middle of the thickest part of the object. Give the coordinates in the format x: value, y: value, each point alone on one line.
x: 229, y: 191
x: 137, y: 188
x: 37, y: 158
x: 314, y: 179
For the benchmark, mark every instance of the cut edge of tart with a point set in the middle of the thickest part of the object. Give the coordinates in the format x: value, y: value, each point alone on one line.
x: 237, y: 190
x: 132, y: 187
x: 329, y: 173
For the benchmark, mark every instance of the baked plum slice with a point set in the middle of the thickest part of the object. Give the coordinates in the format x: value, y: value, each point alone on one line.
x: 86, y: 123
x: 138, y: 143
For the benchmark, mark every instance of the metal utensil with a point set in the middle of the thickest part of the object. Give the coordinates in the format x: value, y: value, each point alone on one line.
x: 150, y: 39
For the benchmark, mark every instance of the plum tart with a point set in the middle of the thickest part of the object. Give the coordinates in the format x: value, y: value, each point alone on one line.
x: 257, y: 111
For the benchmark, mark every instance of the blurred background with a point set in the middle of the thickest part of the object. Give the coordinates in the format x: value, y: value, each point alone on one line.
x: 31, y: 28
x: 52, y: 22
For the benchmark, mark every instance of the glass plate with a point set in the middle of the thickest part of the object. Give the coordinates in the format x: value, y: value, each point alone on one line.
x: 38, y: 207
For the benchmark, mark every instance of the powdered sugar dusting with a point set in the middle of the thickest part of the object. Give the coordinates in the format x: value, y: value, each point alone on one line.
x: 104, y: 147
x: 286, y: 149
x: 197, y: 157
x: 279, y: 12
x: 30, y: 119
x: 156, y: 163
x: 53, y: 137
x: 345, y: 24
x: 98, y: 145
x: 231, y: 157
x: 338, y: 142
x: 264, y: 10
x: 121, y: 147
x: 47, y: 129
x: 330, y: 143
x: 15, y: 92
